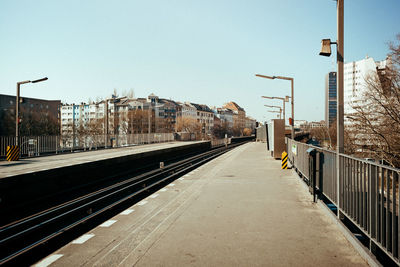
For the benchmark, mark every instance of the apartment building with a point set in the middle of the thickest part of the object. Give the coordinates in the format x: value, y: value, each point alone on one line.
x: 355, y: 85
x: 239, y: 114
x: 250, y: 123
x: 32, y: 112
x: 226, y: 115
x: 205, y: 116
x: 187, y: 110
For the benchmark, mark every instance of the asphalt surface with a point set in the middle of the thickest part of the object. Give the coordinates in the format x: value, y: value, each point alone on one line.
x: 240, y: 209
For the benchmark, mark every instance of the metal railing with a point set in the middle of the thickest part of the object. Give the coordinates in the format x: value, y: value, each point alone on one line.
x: 36, y: 145
x: 31, y: 145
x: 368, y: 192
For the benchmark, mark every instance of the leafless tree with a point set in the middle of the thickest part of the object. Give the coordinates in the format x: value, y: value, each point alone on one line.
x: 95, y: 129
x: 188, y: 125
x: 376, y: 121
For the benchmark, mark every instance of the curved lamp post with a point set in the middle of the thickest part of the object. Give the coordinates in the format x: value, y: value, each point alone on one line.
x: 284, y: 99
x: 280, y: 110
x: 17, y: 119
x: 292, y: 83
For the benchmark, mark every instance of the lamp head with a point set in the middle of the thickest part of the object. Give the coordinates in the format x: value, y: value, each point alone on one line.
x: 40, y: 80
x: 325, y: 48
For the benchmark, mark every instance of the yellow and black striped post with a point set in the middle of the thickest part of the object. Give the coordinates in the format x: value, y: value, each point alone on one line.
x: 284, y: 160
x: 12, y: 153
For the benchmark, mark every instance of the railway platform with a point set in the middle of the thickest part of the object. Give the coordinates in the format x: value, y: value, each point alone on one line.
x: 239, y: 209
x: 36, y: 164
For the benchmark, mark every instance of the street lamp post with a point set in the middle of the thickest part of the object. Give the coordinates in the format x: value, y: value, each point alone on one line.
x: 284, y: 100
x: 280, y: 110
x: 274, y: 111
x: 292, y: 85
x: 17, y: 107
x: 326, y: 51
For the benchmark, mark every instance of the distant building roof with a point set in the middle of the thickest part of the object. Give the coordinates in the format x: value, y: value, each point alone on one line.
x: 232, y: 105
x: 201, y: 107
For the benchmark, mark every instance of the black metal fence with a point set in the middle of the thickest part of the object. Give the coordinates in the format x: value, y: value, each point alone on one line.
x: 368, y: 192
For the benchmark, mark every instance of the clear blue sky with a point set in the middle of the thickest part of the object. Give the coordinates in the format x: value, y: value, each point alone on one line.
x: 201, y: 51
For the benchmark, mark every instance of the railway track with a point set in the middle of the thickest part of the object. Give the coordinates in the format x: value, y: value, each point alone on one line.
x: 22, y: 242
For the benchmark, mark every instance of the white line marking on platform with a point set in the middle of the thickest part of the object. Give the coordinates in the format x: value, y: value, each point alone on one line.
x: 107, y: 223
x: 181, y: 179
x: 190, y: 173
x: 82, y: 239
x: 154, y: 196
x: 171, y: 185
x: 127, y: 212
x: 163, y: 189
x: 48, y: 260
x: 141, y: 203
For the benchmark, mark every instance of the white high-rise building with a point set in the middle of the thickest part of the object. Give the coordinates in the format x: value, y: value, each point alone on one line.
x: 355, y: 86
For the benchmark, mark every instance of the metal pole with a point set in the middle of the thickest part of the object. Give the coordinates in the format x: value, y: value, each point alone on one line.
x: 149, y: 130
x: 73, y: 128
x: 340, y: 110
x: 292, y: 81
x: 17, y: 116
x: 106, y: 123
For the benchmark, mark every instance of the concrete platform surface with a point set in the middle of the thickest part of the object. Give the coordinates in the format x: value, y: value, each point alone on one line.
x: 34, y: 164
x: 240, y: 209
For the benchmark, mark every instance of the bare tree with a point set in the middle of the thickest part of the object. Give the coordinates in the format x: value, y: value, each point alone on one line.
x: 188, y: 125
x: 376, y: 121
x: 219, y: 131
x: 95, y: 129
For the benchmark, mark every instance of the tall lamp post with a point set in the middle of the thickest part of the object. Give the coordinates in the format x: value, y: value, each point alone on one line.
x: 326, y: 51
x: 292, y: 85
x: 17, y: 119
x: 280, y: 110
x: 284, y: 99
x: 274, y: 111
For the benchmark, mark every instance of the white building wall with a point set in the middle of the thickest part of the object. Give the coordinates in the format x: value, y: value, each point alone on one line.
x: 355, y: 86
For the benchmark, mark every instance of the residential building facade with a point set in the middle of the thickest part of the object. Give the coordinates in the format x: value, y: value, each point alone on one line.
x: 239, y: 118
x: 355, y: 74
x: 205, y: 116
x: 38, y: 116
